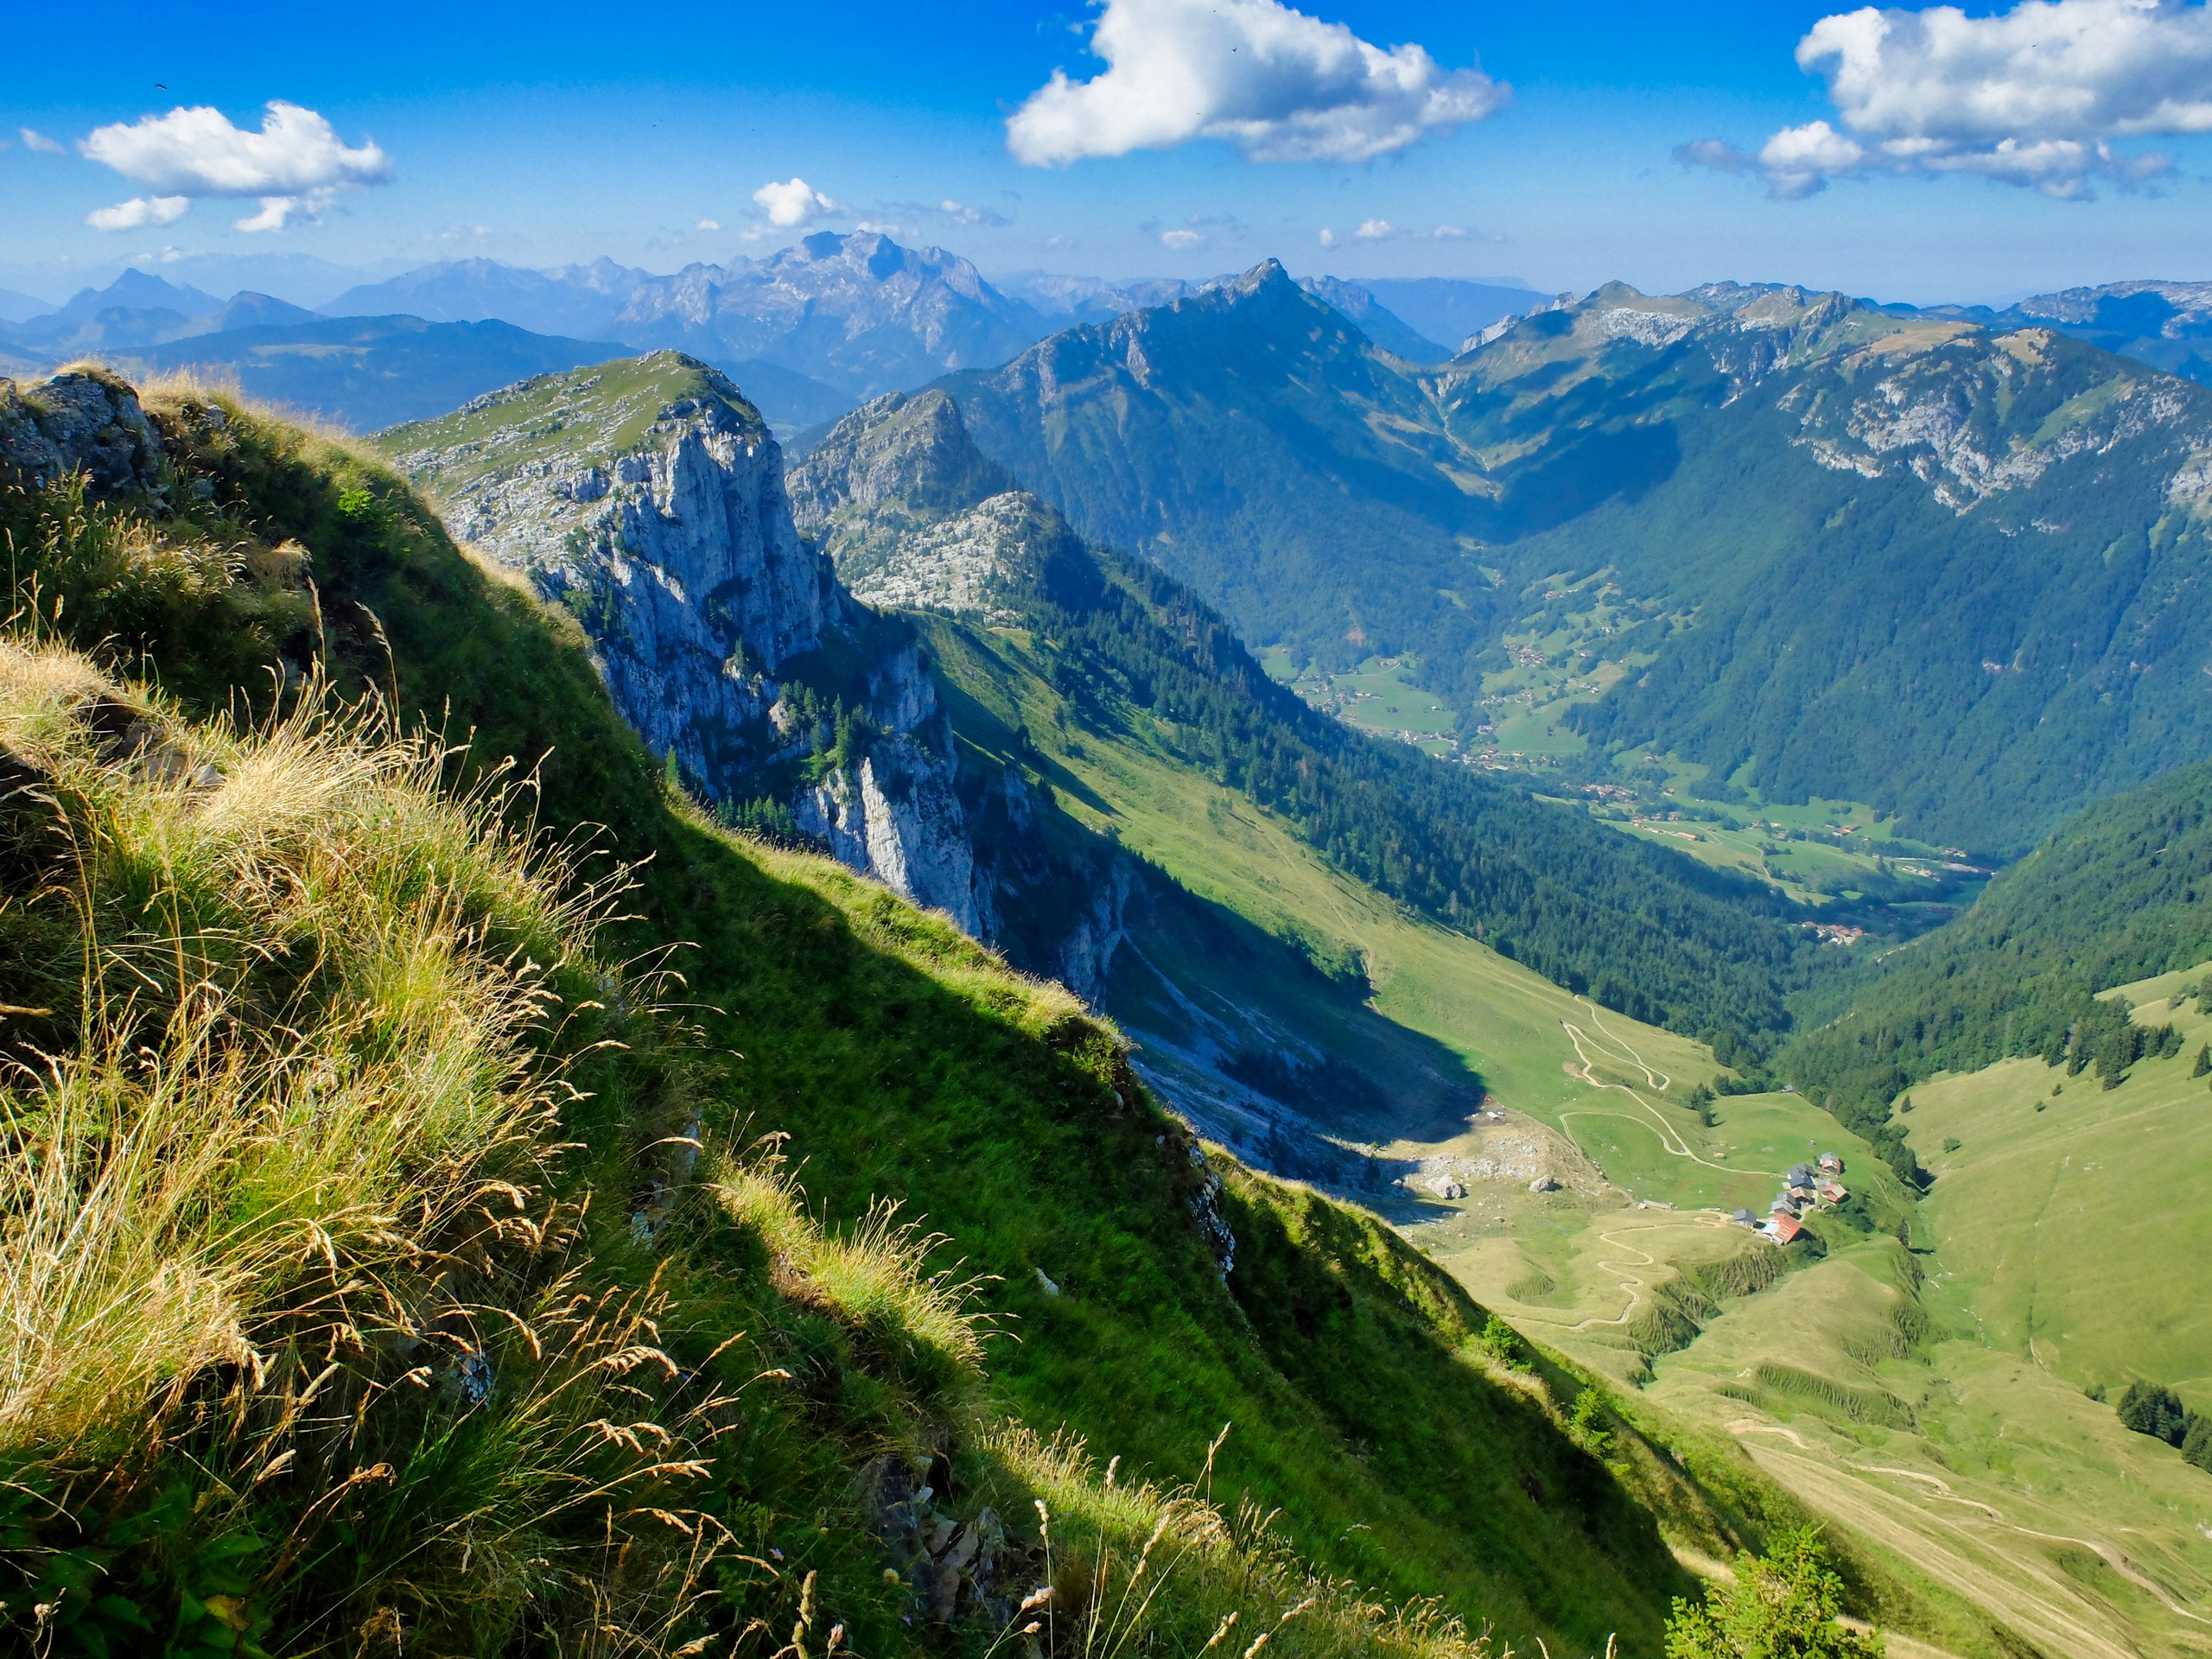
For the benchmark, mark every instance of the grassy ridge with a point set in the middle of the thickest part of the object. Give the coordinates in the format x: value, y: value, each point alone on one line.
x: 907, y: 1064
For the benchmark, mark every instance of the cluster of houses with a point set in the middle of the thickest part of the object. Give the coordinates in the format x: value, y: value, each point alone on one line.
x: 1806, y: 1187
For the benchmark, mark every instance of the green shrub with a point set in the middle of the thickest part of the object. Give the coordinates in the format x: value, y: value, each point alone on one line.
x: 1782, y: 1605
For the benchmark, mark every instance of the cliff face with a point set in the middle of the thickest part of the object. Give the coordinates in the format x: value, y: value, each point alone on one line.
x: 648, y: 496
x: 915, y: 517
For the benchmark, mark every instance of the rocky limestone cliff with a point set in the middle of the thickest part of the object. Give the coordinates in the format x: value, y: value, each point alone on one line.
x: 649, y: 498
x: 915, y: 517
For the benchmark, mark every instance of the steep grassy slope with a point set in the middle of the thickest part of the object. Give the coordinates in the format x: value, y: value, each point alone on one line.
x: 906, y: 1064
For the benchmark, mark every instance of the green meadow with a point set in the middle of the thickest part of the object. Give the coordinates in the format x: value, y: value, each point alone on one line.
x: 1947, y: 1403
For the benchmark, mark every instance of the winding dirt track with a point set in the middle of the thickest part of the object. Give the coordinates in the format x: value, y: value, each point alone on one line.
x: 1670, y: 1139
x: 2034, y: 1598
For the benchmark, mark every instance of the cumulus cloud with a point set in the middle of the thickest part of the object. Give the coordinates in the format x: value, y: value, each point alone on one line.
x: 138, y: 211
x: 2032, y: 96
x: 1181, y: 239
x: 296, y: 163
x: 1278, y: 84
x: 793, y: 203
x: 708, y: 225
x: 39, y: 140
x: 1328, y: 237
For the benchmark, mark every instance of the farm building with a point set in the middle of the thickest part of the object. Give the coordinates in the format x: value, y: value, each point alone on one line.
x: 1782, y: 1229
x: 1832, y: 1162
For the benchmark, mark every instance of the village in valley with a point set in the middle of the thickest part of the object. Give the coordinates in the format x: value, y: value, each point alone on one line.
x: 1806, y: 1186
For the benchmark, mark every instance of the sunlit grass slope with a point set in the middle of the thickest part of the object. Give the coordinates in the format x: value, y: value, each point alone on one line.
x: 906, y: 1064
x: 1953, y: 1405
x: 2078, y: 1213
x: 1502, y: 1022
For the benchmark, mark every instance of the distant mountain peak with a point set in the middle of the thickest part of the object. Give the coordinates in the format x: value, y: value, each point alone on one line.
x: 135, y: 290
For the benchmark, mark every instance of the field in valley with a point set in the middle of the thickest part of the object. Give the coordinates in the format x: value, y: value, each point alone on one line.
x: 1928, y: 1398
x: 1937, y: 1401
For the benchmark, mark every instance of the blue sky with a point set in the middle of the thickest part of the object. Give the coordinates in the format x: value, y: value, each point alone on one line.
x: 552, y: 133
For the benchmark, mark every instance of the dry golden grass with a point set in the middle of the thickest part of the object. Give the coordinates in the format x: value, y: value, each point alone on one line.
x: 275, y: 1196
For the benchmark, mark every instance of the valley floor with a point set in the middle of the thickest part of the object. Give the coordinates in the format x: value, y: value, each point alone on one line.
x: 1927, y: 1400
x: 1936, y: 1402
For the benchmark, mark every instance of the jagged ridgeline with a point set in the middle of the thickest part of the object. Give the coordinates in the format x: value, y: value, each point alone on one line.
x: 392, y: 1268
x: 1905, y: 560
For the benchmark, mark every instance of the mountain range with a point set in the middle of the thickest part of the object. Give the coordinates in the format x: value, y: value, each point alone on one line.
x: 990, y: 674
x: 1937, y: 610
x: 811, y: 330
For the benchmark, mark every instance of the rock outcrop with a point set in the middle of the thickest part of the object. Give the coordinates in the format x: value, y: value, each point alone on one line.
x: 649, y: 498
x: 80, y: 421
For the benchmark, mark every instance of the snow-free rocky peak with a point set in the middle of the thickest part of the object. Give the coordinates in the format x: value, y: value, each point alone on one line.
x: 647, y: 495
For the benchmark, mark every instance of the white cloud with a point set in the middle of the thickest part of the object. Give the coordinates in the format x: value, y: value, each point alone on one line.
x: 1328, y: 237
x: 961, y: 212
x: 1382, y: 230
x: 1181, y: 239
x: 1278, y: 84
x: 707, y: 225
x: 297, y: 163
x: 275, y: 211
x: 39, y: 142
x: 2032, y: 96
x: 793, y: 203
x: 138, y: 211
x: 197, y: 152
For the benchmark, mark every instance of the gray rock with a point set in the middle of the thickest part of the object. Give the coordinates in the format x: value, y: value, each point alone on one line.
x: 82, y: 420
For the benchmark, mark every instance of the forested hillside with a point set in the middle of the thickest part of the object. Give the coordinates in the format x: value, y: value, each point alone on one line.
x: 1898, y: 560
x: 1638, y: 928
x: 2122, y: 891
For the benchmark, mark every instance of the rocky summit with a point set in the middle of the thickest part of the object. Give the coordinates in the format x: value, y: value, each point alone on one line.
x: 647, y: 496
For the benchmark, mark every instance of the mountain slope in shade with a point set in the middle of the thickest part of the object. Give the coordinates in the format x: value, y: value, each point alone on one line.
x: 1257, y: 445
